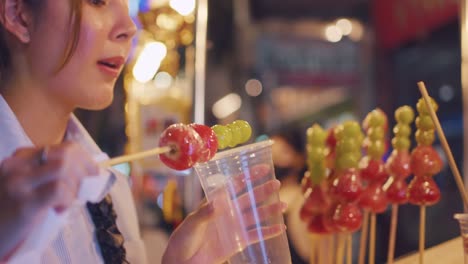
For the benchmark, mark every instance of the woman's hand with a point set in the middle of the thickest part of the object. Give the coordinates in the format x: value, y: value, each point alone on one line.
x: 197, y: 240
x: 35, y: 179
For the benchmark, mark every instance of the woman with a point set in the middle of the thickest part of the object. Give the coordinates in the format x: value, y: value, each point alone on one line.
x: 55, y: 57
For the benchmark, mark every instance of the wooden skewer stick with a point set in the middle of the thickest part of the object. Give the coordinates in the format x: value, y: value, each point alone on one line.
x: 393, y: 229
x: 349, y: 249
x: 422, y: 233
x: 131, y: 157
x: 445, y: 145
x: 363, y: 240
x: 313, y: 249
x: 341, y: 248
x: 331, y: 248
x: 373, y: 221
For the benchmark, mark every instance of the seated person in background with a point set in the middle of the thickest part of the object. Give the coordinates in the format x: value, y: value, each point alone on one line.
x: 289, y: 161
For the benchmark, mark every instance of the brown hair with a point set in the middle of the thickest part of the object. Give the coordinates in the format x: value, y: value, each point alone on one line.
x: 37, y: 7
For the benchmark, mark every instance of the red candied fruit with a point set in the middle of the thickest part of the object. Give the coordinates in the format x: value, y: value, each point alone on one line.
x: 347, y: 187
x: 185, y: 144
x: 397, y: 192
x: 209, y: 139
x: 374, y: 198
x: 373, y: 170
x: 425, y: 161
x: 398, y: 164
x: 423, y: 190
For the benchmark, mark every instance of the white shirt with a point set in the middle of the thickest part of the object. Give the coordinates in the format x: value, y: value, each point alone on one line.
x: 76, y: 241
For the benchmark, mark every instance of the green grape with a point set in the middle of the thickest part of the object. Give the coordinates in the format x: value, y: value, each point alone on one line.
x: 339, y: 134
x: 376, y: 133
x: 402, y: 130
x: 422, y: 107
x: 376, y: 118
x: 316, y: 153
x: 351, y: 129
x: 349, y: 160
x: 425, y: 138
x: 236, y: 135
x: 317, y: 171
x: 404, y: 114
x: 245, y: 130
x: 424, y: 122
x: 347, y: 145
x: 316, y: 135
x: 376, y: 149
x: 223, y: 134
x: 401, y: 143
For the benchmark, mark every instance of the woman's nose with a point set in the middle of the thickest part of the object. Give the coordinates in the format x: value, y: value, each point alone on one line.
x: 125, y: 28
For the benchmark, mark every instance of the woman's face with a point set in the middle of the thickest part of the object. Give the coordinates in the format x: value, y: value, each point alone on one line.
x: 88, y: 79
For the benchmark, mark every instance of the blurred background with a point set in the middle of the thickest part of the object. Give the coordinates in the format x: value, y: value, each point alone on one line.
x: 282, y: 66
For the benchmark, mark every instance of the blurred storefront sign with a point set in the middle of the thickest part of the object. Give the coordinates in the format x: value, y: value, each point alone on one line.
x: 400, y: 21
x: 305, y: 61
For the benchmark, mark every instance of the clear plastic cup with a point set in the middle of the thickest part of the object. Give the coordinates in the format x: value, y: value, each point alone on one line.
x: 240, y: 184
x: 463, y: 221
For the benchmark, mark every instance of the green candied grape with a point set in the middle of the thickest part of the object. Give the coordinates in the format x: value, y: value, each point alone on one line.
x: 376, y: 118
x: 316, y: 135
x: 245, y: 130
x: 401, y: 143
x: 404, y: 114
x: 317, y: 172
x: 316, y: 153
x: 422, y: 107
x: 402, y: 130
x: 347, y: 161
x: 376, y: 149
x: 376, y: 133
x: 223, y: 134
x: 351, y: 129
x: 424, y: 122
x: 236, y: 135
x: 347, y: 145
x: 338, y: 131
x: 425, y: 137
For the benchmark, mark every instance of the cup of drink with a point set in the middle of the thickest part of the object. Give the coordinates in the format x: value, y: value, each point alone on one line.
x: 240, y: 183
x: 463, y: 221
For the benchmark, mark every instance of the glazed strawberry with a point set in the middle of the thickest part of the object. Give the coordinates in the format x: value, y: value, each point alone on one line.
x: 397, y: 192
x: 373, y: 170
x: 209, y: 139
x: 398, y: 164
x: 347, y: 187
x: 317, y: 200
x: 425, y: 161
x: 373, y: 198
x: 423, y: 191
x: 316, y: 225
x: 305, y: 214
x: 347, y: 217
x: 185, y: 144
x: 306, y: 184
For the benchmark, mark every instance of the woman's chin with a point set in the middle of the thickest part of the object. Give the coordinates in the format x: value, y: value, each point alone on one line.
x: 95, y: 104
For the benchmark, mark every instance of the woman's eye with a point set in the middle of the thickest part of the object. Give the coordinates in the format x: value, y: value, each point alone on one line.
x: 98, y: 2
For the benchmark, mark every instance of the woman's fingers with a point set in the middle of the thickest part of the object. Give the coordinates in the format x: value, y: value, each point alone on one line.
x: 258, y: 194
x: 255, y: 216
x: 251, y: 177
x: 264, y: 233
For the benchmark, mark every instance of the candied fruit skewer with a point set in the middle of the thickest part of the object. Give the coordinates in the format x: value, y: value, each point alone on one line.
x: 347, y: 187
x: 425, y: 163
x: 445, y: 145
x: 182, y: 146
x: 373, y: 198
x: 398, y: 166
x: 316, y: 201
